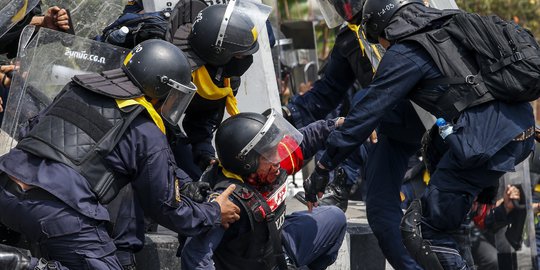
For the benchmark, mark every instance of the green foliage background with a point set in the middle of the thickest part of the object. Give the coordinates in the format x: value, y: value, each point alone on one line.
x: 524, y: 12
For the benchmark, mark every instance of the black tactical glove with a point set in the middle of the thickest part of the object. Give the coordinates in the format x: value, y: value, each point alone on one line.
x: 205, y: 161
x: 315, y: 183
x: 197, y: 191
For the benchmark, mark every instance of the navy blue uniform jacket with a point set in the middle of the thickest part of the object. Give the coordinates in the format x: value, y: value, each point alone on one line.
x: 480, y: 132
x: 144, y: 158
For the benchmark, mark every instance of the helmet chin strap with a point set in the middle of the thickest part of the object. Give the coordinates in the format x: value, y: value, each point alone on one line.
x: 219, y: 74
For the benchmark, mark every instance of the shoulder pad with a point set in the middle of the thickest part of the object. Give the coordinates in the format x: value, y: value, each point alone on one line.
x: 113, y: 83
x: 180, y: 23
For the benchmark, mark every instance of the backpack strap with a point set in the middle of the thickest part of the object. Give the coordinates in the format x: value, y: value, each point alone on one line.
x: 447, y: 55
x: 516, y: 57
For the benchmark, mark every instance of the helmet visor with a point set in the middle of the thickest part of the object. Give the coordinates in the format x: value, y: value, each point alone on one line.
x: 11, y: 12
x: 276, y: 140
x: 177, y: 100
x: 330, y: 14
x: 347, y: 8
x: 239, y: 14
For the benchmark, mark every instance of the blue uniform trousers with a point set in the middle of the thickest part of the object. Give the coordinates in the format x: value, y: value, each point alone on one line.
x: 386, y: 166
x: 399, y: 136
x: 449, y: 197
x: 313, y: 239
x: 128, y: 227
x: 59, y: 232
x: 309, y: 239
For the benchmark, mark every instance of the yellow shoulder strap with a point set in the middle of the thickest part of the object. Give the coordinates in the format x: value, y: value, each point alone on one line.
x: 232, y: 175
x: 147, y: 105
x: 357, y: 30
x: 208, y: 90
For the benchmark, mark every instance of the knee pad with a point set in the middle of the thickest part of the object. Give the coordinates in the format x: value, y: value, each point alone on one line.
x: 411, y: 233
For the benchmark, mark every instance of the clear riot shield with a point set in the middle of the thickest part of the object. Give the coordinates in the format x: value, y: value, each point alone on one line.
x: 516, y: 243
x: 12, y: 11
x: 89, y: 17
x: 298, y: 54
x: 46, y: 62
x: 258, y: 90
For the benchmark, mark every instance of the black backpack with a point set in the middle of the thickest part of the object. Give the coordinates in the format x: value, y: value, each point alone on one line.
x: 173, y: 25
x: 141, y: 27
x: 508, y: 55
x: 498, y: 59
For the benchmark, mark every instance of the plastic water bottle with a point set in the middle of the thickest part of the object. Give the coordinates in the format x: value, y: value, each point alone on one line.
x: 118, y: 36
x: 445, y: 129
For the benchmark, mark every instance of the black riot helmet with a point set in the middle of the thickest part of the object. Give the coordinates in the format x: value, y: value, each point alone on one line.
x: 243, y: 139
x: 162, y: 72
x: 377, y: 15
x: 221, y: 32
x: 153, y: 59
x: 232, y: 136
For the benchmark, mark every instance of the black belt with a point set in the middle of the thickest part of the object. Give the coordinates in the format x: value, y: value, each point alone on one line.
x: 34, y: 193
x: 524, y: 135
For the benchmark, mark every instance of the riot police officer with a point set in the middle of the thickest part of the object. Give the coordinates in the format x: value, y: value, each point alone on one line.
x: 385, y: 162
x: 219, y: 43
x: 102, y: 132
x: 264, y: 237
x: 461, y: 174
x: 216, y: 67
x: 221, y: 46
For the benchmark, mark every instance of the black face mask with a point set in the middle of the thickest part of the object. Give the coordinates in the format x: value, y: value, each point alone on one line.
x: 237, y: 67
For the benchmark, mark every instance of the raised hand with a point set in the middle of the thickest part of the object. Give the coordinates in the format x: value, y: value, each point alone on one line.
x: 229, y: 211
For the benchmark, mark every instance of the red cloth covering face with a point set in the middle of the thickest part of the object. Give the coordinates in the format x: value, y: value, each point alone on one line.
x: 294, y: 158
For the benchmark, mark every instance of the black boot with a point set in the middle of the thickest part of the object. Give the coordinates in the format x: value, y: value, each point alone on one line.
x: 336, y: 193
x: 13, y: 258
